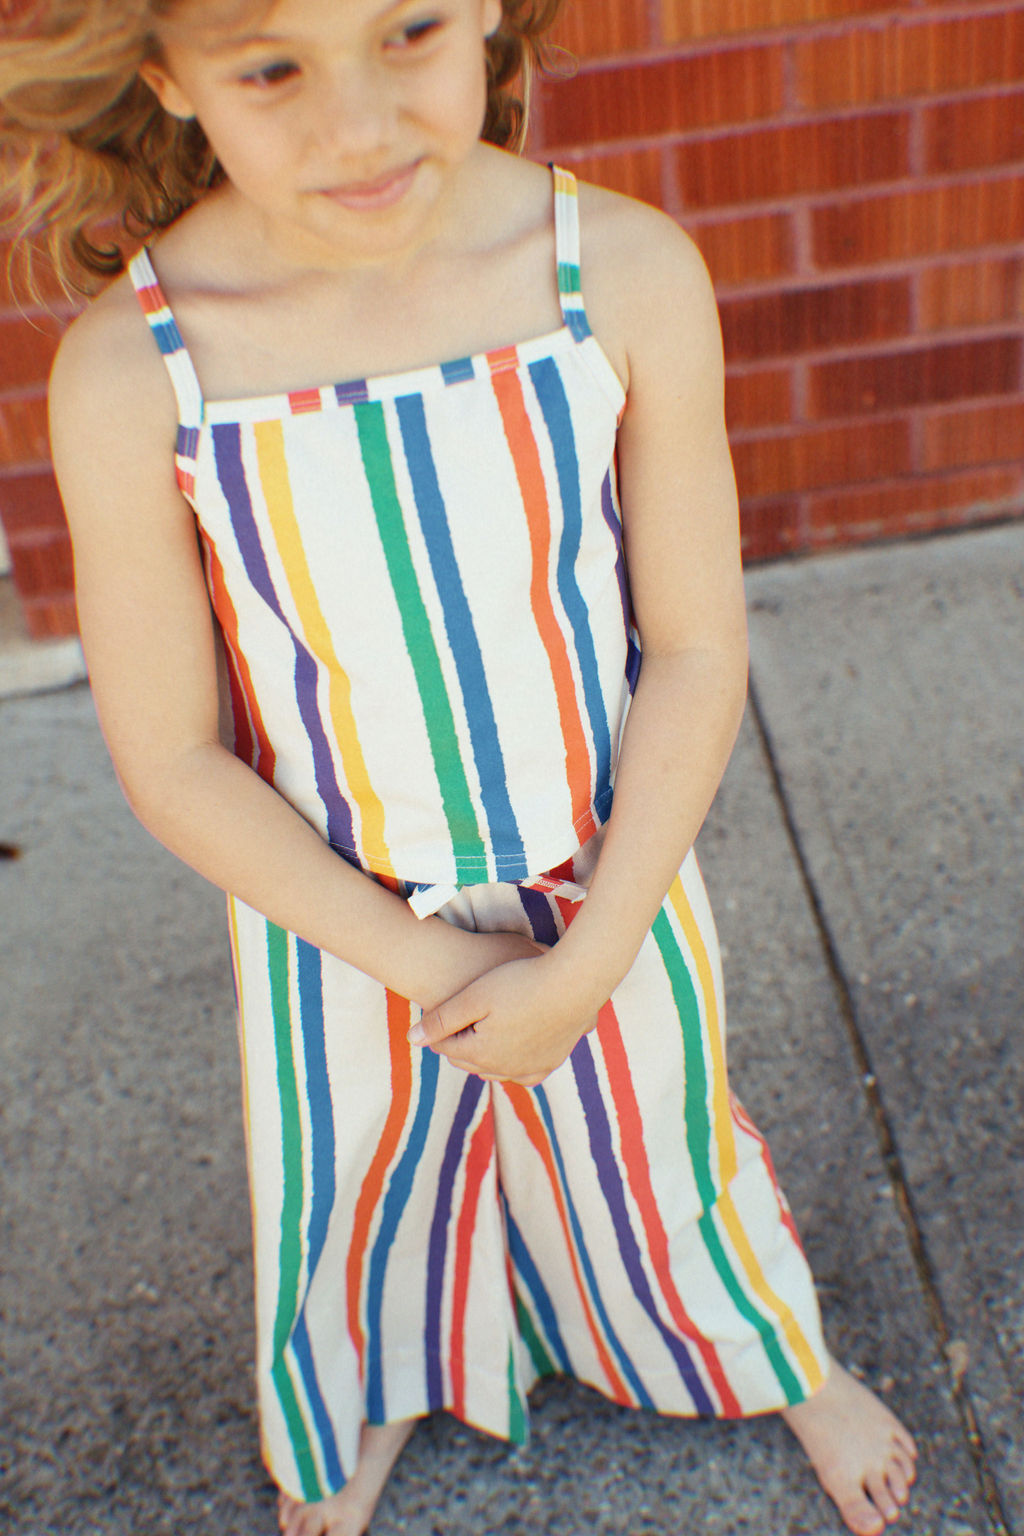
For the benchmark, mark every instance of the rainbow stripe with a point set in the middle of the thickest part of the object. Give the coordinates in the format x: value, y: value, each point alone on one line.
x: 423, y: 573
x: 621, y: 1223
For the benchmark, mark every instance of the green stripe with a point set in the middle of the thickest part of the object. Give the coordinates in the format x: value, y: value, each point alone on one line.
x: 542, y: 1361
x: 419, y: 641
x: 698, y: 1141
x: 516, y: 1413
x: 289, y: 1261
x: 568, y: 277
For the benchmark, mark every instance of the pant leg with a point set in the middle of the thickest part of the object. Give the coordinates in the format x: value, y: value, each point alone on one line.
x: 654, y: 1254
x: 382, y: 1282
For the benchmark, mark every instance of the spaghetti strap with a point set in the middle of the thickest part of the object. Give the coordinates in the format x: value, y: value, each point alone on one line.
x: 175, y: 354
x: 567, y: 252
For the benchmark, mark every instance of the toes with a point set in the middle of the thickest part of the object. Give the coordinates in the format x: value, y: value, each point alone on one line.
x: 877, y: 1488
x: 862, y: 1516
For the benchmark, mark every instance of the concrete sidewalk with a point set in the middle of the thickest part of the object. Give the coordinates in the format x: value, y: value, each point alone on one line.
x: 864, y: 858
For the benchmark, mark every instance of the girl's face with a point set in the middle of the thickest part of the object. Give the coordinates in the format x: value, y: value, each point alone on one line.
x: 342, y: 122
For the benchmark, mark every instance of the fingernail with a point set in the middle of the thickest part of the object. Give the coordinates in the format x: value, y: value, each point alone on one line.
x: 416, y: 1035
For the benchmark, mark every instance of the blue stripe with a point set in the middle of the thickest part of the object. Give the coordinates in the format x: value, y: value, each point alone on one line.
x: 614, y: 521
x: 506, y: 839
x: 321, y: 1119
x: 543, y: 1309
x: 610, y: 1177
x: 628, y: 1368
x: 168, y: 337
x: 437, y: 1247
x: 458, y: 371
x: 395, y: 1201
x: 551, y: 394
x: 227, y: 449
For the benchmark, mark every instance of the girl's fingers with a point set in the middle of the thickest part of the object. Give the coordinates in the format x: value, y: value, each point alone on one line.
x: 441, y: 1023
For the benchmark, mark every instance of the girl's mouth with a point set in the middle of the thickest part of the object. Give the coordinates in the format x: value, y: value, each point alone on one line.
x: 374, y: 196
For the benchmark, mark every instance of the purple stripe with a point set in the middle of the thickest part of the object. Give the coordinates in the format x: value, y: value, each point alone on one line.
x: 542, y: 919
x: 438, y: 1246
x: 610, y: 1178
x: 227, y: 449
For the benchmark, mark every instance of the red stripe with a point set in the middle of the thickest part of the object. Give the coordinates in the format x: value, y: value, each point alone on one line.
x: 529, y: 472
x: 526, y: 1113
x: 151, y: 298
x: 631, y: 1141
x: 301, y: 401
x: 481, y: 1150
x: 399, y: 1021
x: 245, y: 710
x: 741, y: 1117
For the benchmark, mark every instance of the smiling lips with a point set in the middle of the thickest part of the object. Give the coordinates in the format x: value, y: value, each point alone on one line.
x: 374, y: 196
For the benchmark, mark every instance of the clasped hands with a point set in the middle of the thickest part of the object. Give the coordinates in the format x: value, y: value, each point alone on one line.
x: 515, y: 1023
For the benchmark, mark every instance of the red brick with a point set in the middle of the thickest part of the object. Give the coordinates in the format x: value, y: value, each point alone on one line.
x: 919, y: 222
x: 824, y: 456
x: 912, y: 506
x: 30, y: 507
x: 787, y: 321
x: 804, y: 157
x: 770, y: 528
x: 980, y: 131
x: 44, y: 567
x: 923, y: 376
x: 24, y: 437
x: 747, y: 249
x: 971, y: 293
x: 637, y: 172
x: 759, y: 399
x: 639, y: 101
x: 602, y: 26
x: 707, y: 18
x: 51, y: 618
x: 910, y: 57
x: 990, y: 434
x: 26, y: 350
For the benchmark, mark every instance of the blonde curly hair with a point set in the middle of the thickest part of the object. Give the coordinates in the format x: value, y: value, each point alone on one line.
x: 84, y: 142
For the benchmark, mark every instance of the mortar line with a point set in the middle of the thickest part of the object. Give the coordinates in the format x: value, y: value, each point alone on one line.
x: 891, y: 1158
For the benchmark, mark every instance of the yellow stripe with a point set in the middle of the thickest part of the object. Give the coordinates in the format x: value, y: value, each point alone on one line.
x: 725, y: 1139
x: 726, y: 1143
x: 278, y: 495
x: 794, y: 1333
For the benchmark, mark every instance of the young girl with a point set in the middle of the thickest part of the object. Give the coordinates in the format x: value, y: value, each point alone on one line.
x: 489, y: 1129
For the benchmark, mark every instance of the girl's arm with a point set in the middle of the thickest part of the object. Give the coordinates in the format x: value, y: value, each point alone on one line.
x: 682, y: 546
x: 148, y: 634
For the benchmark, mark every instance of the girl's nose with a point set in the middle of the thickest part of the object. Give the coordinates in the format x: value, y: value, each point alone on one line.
x: 355, y: 112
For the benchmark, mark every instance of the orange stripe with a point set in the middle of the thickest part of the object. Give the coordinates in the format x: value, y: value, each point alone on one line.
x: 478, y: 1159
x: 526, y: 1113
x: 399, y: 1021
x: 530, y: 474
x: 631, y: 1139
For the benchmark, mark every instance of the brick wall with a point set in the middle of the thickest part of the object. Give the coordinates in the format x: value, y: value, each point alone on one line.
x: 853, y: 171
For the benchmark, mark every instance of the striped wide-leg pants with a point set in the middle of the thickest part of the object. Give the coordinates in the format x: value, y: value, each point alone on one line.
x: 426, y: 1240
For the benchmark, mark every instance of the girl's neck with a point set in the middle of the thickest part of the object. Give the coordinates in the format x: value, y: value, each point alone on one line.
x: 257, y: 323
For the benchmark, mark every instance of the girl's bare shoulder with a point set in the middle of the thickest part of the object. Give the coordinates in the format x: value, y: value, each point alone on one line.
x: 644, y: 281
x: 108, y: 376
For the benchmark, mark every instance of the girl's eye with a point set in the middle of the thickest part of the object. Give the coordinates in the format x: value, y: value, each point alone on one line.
x: 270, y: 75
x: 414, y: 32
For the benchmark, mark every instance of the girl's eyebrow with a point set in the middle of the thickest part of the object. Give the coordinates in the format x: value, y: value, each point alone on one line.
x: 238, y: 42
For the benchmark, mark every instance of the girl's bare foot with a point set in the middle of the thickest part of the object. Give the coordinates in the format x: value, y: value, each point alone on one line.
x: 349, y: 1512
x: 863, y: 1456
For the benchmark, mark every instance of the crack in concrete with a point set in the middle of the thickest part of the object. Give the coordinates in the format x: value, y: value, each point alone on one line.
x: 987, y: 1485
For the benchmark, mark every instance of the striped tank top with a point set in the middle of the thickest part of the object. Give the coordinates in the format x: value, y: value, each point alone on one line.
x: 420, y: 584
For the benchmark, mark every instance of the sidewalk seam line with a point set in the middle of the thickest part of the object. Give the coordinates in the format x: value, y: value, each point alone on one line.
x: 891, y: 1158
